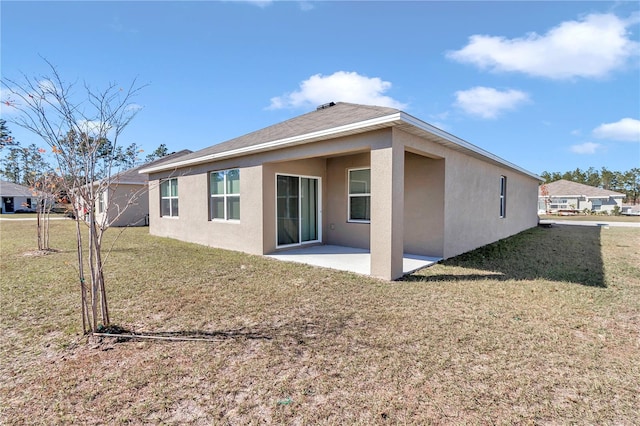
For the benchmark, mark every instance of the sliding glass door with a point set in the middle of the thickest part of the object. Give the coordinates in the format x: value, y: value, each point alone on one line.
x: 297, y: 209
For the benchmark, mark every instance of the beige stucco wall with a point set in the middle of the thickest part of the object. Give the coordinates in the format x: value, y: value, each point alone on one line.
x: 471, y: 197
x: 128, y: 205
x: 339, y: 230
x: 193, y: 222
x: 424, y: 205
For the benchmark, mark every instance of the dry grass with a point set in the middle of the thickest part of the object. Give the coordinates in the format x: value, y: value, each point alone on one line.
x: 593, y: 218
x: 512, y: 333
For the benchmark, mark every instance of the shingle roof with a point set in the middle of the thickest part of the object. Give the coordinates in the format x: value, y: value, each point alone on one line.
x: 564, y: 188
x: 340, y: 114
x: 10, y: 189
x: 133, y: 176
x: 339, y: 119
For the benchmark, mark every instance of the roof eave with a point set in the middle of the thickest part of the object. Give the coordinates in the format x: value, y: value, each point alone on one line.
x: 353, y: 128
x: 461, y: 143
x: 359, y: 127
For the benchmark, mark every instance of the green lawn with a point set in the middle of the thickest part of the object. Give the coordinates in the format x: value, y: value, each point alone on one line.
x: 540, y: 328
x: 593, y: 218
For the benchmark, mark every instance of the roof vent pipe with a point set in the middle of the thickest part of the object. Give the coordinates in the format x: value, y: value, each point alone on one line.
x: 325, y: 106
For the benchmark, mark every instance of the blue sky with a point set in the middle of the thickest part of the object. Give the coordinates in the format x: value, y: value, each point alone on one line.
x: 546, y: 85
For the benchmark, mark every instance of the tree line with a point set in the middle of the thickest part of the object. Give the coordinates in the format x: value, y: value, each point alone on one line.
x: 627, y: 182
x: 24, y: 165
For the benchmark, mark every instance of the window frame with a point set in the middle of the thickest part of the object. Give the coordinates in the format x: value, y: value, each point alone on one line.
x: 225, y: 196
x: 101, y: 202
x: 503, y: 197
x: 170, y: 197
x: 359, y: 195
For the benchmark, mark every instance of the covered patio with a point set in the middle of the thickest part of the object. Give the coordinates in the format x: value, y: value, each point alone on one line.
x: 348, y: 259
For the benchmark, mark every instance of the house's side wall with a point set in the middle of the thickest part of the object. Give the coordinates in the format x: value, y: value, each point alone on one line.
x: 19, y: 203
x: 472, y: 204
x: 193, y: 223
x: 472, y: 198
x: 424, y: 205
x: 121, y: 214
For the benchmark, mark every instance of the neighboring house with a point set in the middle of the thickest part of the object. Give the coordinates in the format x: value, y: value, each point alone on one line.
x: 17, y: 198
x: 630, y: 209
x: 126, y: 202
x: 566, y: 196
x: 349, y: 175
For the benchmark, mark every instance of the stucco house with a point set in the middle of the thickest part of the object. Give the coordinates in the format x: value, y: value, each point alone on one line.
x: 125, y: 201
x: 16, y: 197
x: 566, y: 196
x: 361, y: 176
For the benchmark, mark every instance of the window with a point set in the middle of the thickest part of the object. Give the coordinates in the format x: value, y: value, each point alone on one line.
x: 224, y: 189
x: 101, y: 201
x: 169, y: 198
x: 503, y: 196
x: 360, y: 195
x: 596, y: 204
x: 28, y: 204
x: 559, y: 204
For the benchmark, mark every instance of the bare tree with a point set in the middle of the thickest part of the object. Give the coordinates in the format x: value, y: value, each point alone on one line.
x: 47, y: 188
x: 83, y: 135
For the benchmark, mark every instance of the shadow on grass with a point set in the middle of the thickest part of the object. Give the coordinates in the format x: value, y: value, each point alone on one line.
x: 566, y: 253
x: 124, y: 334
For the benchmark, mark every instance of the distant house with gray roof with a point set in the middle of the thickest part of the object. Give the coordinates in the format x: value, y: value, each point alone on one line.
x: 571, y: 197
x: 17, y: 198
x: 126, y: 201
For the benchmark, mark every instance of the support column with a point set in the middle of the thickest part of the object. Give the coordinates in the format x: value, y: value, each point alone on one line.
x: 387, y: 211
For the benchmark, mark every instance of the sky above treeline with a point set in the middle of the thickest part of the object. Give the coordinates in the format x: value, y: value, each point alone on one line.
x: 549, y: 86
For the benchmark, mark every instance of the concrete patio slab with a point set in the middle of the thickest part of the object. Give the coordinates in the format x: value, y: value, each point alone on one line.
x: 347, y: 258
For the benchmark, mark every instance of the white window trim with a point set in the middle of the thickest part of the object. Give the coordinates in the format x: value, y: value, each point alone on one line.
x: 102, y: 201
x: 349, y: 195
x: 503, y: 197
x: 225, y: 196
x: 170, y: 197
x: 319, y: 214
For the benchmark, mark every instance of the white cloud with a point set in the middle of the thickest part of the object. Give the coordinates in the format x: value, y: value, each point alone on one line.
x: 340, y: 86
x: 94, y: 127
x: 585, y: 148
x: 133, y: 107
x: 306, y: 6
x: 627, y: 129
x: 591, y: 47
x: 487, y: 102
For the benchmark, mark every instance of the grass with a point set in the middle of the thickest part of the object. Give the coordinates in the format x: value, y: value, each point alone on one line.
x: 541, y: 328
x: 593, y: 218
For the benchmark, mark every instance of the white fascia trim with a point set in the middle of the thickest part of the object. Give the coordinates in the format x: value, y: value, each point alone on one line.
x: 277, y: 143
x: 603, y: 197
x: 385, y: 120
x: 464, y: 144
x: 118, y: 182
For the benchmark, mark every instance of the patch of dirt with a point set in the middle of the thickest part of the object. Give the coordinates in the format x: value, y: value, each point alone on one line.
x: 38, y: 253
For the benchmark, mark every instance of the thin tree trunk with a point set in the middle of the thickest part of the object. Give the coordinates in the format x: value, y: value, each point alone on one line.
x: 86, y: 322
x: 95, y: 291
x: 39, y: 225
x: 45, y: 231
x: 100, y: 275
